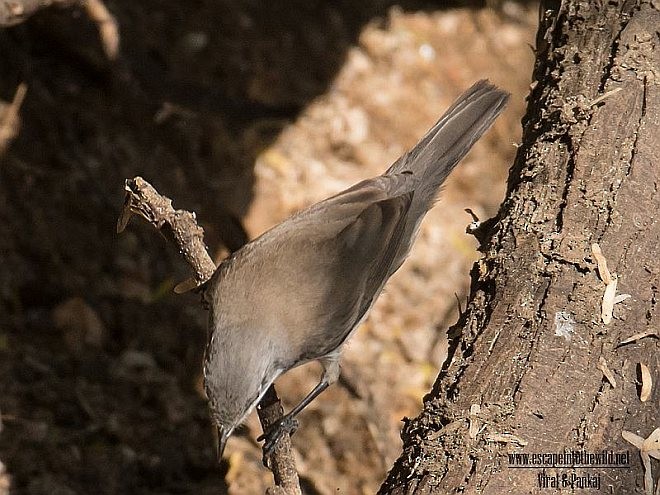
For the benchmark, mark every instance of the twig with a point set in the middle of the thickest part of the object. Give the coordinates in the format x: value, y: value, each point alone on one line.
x: 142, y: 199
x: 9, y: 121
x: 281, y: 463
x: 14, y: 12
x: 107, y: 26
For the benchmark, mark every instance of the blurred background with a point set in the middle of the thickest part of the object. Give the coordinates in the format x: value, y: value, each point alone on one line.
x: 238, y: 110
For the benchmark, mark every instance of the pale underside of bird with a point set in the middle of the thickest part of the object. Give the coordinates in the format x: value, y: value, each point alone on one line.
x: 297, y: 293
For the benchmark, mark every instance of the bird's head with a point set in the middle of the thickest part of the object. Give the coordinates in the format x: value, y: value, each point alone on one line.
x: 236, y: 375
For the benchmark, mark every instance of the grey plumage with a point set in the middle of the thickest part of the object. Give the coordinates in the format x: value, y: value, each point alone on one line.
x: 297, y: 292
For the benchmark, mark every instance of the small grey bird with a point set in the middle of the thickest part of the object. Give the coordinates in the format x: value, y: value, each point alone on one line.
x: 298, y: 292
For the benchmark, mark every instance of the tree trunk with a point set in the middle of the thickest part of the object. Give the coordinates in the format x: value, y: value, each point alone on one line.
x: 530, y: 348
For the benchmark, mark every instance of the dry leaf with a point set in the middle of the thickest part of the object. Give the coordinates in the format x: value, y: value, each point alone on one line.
x: 125, y: 214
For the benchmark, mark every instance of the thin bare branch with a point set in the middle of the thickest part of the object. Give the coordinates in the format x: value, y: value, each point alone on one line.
x: 107, y: 26
x: 143, y: 199
x: 14, y: 12
x: 282, y: 463
x: 9, y: 121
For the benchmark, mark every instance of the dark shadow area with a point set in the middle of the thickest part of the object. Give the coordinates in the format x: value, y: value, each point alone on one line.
x: 100, y: 361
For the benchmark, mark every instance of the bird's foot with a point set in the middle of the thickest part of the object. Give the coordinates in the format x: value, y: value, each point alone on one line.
x: 287, y: 425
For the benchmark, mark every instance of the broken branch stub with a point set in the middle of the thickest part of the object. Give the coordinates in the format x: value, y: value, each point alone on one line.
x: 142, y: 199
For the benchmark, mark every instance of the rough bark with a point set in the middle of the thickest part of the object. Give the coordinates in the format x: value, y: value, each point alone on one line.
x: 587, y: 172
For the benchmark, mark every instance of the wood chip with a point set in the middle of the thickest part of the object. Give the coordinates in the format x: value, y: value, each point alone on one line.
x: 651, y: 445
x: 607, y: 307
x: 647, y: 383
x: 648, y: 473
x: 609, y: 298
x: 621, y: 297
x: 639, y: 336
x: 475, y: 409
x: 602, y: 366
x: 648, y: 447
x: 505, y: 438
x: 602, y: 263
x: 605, y: 96
x: 633, y: 439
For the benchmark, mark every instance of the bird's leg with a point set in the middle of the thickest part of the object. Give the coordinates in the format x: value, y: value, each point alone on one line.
x: 288, y: 422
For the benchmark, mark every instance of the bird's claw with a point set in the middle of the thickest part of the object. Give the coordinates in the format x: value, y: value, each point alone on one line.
x: 286, y: 425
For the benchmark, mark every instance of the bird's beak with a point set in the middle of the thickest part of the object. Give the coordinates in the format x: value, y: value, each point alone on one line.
x: 223, y: 435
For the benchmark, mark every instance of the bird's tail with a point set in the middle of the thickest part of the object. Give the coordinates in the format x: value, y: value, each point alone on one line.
x: 449, y: 140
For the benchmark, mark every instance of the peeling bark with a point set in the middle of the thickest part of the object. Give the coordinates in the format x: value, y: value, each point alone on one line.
x: 587, y: 172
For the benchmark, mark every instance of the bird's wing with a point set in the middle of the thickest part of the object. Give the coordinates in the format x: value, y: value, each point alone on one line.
x: 347, y: 247
x: 316, y: 274
x: 372, y: 239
